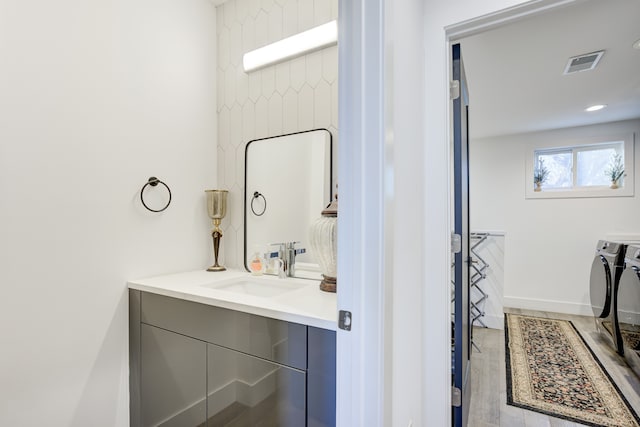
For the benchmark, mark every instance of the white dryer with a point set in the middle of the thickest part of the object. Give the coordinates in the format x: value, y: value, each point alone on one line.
x: 628, y: 314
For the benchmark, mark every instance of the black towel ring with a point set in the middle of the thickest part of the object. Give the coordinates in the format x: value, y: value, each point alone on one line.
x: 257, y: 195
x: 153, y: 181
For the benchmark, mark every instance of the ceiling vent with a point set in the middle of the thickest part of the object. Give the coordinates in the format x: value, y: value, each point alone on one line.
x: 584, y: 62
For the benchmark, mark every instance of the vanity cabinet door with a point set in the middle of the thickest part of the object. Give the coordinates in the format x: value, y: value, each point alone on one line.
x: 321, y: 378
x: 247, y: 391
x: 173, y: 381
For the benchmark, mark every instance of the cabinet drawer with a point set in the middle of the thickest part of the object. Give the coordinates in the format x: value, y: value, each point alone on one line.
x: 271, y: 339
x: 246, y: 391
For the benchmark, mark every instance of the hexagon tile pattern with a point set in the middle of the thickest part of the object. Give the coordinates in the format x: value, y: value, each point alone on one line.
x: 292, y: 96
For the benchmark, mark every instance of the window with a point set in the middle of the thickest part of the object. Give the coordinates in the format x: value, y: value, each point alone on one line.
x: 580, y: 168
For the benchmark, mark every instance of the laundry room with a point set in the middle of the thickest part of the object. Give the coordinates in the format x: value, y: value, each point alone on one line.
x: 526, y: 110
x: 549, y: 243
x: 553, y: 122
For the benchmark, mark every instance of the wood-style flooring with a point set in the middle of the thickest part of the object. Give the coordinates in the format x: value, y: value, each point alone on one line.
x: 488, y: 377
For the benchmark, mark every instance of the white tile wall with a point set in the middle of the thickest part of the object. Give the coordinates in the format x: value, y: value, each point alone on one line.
x: 295, y: 95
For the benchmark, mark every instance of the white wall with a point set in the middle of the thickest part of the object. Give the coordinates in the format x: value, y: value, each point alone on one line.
x: 296, y: 95
x: 96, y: 97
x: 550, y: 243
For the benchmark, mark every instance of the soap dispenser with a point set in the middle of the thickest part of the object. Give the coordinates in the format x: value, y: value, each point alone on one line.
x: 257, y: 264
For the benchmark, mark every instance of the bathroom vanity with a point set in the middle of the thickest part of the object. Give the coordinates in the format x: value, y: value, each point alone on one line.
x: 231, y: 349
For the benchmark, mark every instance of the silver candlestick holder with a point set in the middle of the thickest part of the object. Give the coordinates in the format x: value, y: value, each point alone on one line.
x: 217, y: 209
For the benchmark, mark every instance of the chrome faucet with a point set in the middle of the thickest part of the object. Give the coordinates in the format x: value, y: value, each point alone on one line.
x: 287, y: 253
x: 290, y: 260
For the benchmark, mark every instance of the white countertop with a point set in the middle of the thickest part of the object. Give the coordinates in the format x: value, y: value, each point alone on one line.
x: 306, y: 305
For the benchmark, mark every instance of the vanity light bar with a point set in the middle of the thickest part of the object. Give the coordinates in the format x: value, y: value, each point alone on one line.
x: 314, y: 39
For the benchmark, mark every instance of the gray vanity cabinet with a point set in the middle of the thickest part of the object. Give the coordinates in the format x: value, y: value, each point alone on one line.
x: 195, y: 365
x: 171, y: 379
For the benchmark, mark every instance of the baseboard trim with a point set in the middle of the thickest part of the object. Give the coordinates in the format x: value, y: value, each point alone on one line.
x: 548, y: 305
x: 491, y: 321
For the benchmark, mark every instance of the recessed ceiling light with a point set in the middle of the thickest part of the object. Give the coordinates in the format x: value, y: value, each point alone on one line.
x: 595, y: 107
x: 636, y: 45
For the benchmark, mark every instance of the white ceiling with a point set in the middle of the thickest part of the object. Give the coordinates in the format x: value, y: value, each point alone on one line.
x: 515, y: 72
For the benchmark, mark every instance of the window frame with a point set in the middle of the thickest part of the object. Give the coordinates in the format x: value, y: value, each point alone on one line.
x: 574, y: 147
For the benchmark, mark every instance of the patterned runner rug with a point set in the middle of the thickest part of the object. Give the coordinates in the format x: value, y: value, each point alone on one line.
x: 551, y: 370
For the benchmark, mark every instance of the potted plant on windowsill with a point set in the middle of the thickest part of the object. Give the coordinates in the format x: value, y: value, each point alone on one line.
x: 540, y: 175
x: 615, y: 170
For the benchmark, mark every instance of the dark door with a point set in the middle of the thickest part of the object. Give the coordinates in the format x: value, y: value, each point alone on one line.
x: 461, y: 309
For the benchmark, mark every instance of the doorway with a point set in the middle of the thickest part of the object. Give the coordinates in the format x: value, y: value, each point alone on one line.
x: 503, y: 128
x: 420, y: 393
x: 521, y: 101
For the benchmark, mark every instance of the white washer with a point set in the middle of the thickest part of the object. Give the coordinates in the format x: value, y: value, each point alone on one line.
x: 606, y: 270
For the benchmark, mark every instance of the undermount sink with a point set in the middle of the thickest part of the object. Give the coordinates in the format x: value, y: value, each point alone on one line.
x: 258, y: 288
